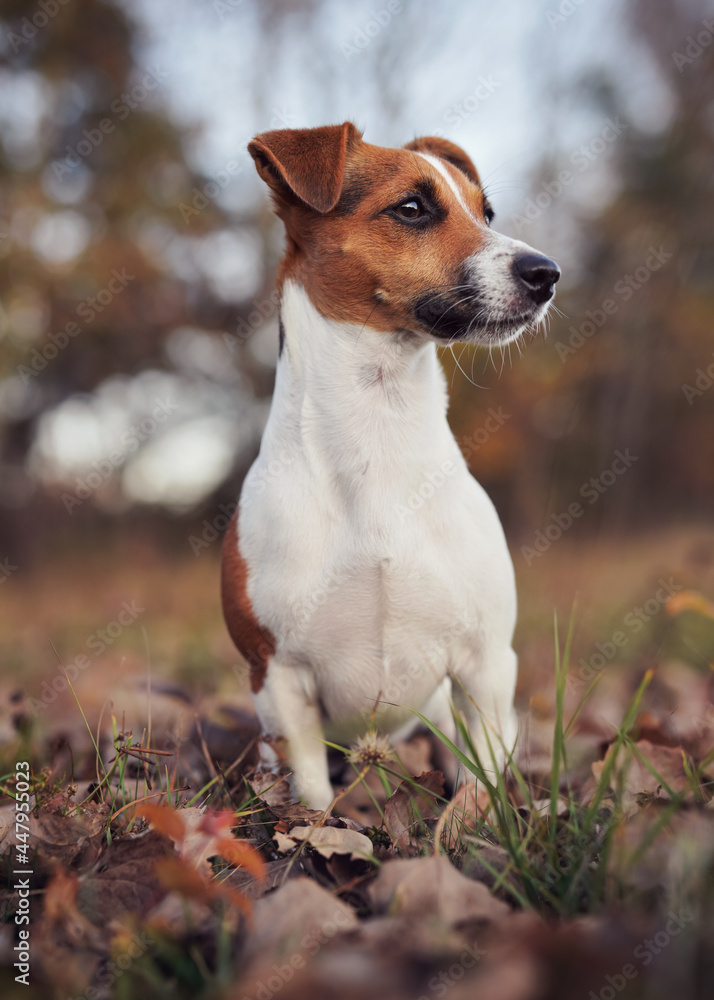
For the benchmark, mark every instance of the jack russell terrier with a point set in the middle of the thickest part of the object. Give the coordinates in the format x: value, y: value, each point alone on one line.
x: 352, y: 606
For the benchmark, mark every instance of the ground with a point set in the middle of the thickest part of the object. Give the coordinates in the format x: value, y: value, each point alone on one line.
x: 176, y: 870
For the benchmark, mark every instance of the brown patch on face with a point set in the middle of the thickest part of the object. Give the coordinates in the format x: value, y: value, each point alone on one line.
x: 252, y: 640
x: 448, y: 151
x: 359, y: 264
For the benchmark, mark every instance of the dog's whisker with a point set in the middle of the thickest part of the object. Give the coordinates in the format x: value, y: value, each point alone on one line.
x: 451, y: 348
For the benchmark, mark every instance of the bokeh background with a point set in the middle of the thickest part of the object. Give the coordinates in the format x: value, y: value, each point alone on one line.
x: 138, y: 338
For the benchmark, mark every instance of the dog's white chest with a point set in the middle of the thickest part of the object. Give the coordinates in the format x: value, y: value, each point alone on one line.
x: 377, y: 560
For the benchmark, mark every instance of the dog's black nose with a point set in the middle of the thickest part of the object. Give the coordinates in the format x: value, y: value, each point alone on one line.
x: 538, y: 274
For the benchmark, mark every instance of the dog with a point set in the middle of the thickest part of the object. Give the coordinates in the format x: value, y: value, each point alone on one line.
x: 354, y: 606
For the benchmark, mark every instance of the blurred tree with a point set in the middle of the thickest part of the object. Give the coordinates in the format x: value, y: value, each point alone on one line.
x: 630, y: 364
x: 102, y: 225
x: 119, y: 257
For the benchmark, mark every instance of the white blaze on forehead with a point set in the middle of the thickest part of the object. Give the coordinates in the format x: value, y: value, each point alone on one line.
x: 438, y: 165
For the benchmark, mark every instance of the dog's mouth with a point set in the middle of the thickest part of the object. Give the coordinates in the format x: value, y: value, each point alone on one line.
x: 447, y: 320
x: 499, y: 294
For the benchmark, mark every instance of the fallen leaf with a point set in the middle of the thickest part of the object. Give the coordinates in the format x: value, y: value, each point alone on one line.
x: 329, y: 840
x: 296, y: 917
x: 487, y: 862
x: 416, y: 753
x: 124, y: 881
x: 200, y: 834
x: 272, y: 788
x: 68, y: 840
x: 470, y: 802
x: 60, y: 904
x: 415, y: 800
x: 285, y: 842
x: 170, y: 822
x: 276, y: 872
x: 294, y: 813
x: 241, y: 855
x: 8, y: 815
x: 177, y: 875
x: 68, y: 947
x: 639, y: 784
x: 432, y: 885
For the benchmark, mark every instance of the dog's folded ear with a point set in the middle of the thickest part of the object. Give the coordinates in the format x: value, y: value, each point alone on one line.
x: 448, y: 151
x: 305, y: 163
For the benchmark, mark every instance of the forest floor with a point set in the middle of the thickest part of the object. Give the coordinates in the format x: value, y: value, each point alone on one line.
x: 151, y: 859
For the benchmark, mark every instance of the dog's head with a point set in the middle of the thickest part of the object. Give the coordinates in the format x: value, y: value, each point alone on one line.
x: 399, y: 239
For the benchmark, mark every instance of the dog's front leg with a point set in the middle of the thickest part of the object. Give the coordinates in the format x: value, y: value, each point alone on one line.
x: 483, y: 689
x: 289, y: 713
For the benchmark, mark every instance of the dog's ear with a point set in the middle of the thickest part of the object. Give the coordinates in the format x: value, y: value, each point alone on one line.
x: 307, y: 163
x: 448, y: 151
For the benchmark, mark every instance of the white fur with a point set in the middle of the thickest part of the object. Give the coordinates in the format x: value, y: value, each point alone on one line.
x: 491, y: 269
x: 375, y: 559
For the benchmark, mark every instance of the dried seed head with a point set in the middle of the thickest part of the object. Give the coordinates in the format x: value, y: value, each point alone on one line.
x: 370, y: 749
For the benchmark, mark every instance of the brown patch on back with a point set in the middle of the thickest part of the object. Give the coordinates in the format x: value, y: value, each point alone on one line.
x: 252, y: 640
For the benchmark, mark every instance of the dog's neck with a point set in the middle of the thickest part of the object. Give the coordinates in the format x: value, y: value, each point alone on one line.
x: 355, y: 402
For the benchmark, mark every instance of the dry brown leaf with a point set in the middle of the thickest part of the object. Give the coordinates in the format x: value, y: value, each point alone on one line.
x: 415, y: 799
x: 60, y: 903
x: 165, y: 820
x: 296, y: 814
x: 487, y: 863
x: 461, y: 815
x: 56, y: 838
x: 67, y: 947
x: 199, y: 843
x: 178, y: 875
x: 272, y: 788
x: 241, y: 855
x: 329, y: 840
x: 640, y: 785
x: 125, y: 879
x: 432, y: 885
x: 297, y: 916
x: 276, y: 872
x: 202, y: 834
x: 415, y: 754
x: 285, y: 842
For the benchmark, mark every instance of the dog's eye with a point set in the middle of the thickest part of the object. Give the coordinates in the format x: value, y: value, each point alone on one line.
x: 412, y: 208
x: 489, y: 213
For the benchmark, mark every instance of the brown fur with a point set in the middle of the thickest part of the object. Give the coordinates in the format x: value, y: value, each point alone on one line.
x: 357, y: 264
x: 255, y: 643
x: 448, y: 151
